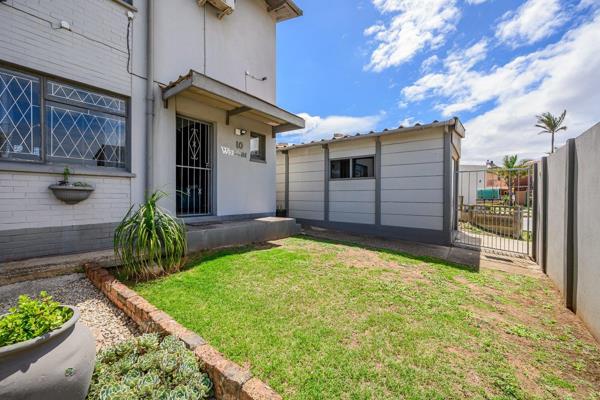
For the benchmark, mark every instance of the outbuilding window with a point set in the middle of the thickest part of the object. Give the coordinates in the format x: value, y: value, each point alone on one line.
x: 340, y: 169
x: 76, y: 125
x: 363, y: 167
x: 257, y: 147
x: 358, y: 167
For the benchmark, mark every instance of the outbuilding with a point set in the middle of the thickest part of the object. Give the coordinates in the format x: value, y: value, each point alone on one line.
x: 398, y: 183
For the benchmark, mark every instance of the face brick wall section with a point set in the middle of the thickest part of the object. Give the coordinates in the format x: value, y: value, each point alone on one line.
x: 26, y: 201
x: 93, y: 52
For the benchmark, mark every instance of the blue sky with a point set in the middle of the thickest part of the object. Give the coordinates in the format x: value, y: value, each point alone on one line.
x: 352, y: 66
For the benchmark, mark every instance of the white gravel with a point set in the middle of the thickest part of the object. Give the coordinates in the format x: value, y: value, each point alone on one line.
x: 108, y: 324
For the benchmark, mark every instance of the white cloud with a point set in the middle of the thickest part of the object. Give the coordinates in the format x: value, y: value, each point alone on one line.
x: 476, y: 2
x: 563, y: 75
x: 409, y: 121
x: 569, y: 71
x: 459, y: 83
x: 531, y: 22
x: 416, y: 24
x: 429, y: 62
x: 318, y: 128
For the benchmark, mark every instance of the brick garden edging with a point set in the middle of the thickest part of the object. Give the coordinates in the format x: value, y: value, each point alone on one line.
x: 231, y: 382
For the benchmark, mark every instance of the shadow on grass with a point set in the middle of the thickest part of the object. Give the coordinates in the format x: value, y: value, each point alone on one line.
x: 386, y: 250
x: 214, y: 254
x: 195, y: 259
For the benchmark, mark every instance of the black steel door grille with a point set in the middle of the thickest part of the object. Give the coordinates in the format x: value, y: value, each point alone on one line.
x: 194, y: 167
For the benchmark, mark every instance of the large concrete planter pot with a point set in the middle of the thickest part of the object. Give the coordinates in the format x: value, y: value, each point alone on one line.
x: 55, y: 366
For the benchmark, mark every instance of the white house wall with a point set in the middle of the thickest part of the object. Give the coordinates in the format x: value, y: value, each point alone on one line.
x: 240, y: 42
x: 243, y: 186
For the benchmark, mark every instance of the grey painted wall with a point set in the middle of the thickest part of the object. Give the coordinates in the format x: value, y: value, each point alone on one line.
x: 585, y: 214
x: 93, y: 52
x: 587, y: 228
x: 557, y: 167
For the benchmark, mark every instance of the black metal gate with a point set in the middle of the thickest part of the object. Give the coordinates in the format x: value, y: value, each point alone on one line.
x: 194, y: 167
x: 494, y: 209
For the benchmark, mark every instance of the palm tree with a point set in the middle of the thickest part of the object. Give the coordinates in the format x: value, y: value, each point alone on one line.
x: 510, y: 172
x: 551, y: 124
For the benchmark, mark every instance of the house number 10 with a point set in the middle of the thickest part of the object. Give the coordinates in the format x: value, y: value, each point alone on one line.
x: 239, y: 145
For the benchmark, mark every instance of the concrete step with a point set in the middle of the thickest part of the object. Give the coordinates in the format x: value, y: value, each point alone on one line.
x: 239, y: 233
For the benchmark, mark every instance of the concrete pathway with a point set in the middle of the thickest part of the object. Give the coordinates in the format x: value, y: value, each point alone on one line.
x: 43, y: 267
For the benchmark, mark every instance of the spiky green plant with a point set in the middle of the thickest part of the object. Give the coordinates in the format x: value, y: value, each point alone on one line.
x: 149, y: 242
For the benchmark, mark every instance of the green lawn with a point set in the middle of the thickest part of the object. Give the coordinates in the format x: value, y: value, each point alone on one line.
x: 322, y: 320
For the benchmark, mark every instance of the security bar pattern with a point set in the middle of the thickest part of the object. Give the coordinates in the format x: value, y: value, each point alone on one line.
x: 87, y: 98
x: 194, y: 168
x: 19, y: 115
x: 87, y: 136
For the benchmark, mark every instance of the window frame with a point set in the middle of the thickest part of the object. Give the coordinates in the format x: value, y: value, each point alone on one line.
x: 351, y: 160
x: 45, y: 98
x: 261, y: 139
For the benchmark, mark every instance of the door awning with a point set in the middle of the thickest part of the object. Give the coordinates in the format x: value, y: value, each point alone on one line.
x: 234, y: 101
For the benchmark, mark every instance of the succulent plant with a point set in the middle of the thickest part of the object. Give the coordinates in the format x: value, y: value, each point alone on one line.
x: 149, y: 368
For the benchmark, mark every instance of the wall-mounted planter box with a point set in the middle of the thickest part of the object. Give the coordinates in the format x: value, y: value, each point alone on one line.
x: 71, y: 194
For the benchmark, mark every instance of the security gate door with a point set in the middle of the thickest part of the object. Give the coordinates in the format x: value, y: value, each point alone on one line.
x: 194, y: 166
x: 494, y: 210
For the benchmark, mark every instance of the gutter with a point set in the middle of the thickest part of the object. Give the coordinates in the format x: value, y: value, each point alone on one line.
x: 149, y: 98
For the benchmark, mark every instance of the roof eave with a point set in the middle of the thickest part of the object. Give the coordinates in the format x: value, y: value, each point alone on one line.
x: 240, y: 101
x: 283, y: 10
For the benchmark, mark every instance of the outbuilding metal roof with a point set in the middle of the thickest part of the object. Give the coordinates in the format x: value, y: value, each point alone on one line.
x: 453, y: 123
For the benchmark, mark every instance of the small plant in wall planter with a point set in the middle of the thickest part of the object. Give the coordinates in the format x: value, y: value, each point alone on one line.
x: 45, y: 352
x: 149, y: 242
x: 71, y: 193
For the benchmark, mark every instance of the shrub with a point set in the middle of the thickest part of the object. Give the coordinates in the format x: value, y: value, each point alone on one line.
x: 149, y: 242
x: 32, y: 318
x: 148, y: 368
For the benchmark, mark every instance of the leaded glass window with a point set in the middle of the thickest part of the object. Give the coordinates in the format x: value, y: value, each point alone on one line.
x: 20, y: 132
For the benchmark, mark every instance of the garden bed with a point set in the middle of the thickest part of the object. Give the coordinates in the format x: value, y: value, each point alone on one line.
x: 319, y: 319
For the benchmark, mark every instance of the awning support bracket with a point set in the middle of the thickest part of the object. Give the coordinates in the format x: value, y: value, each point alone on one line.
x: 235, y: 111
